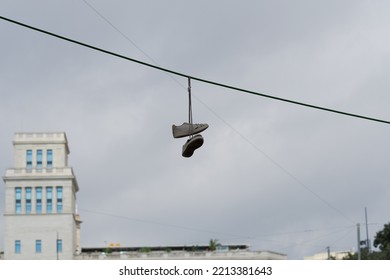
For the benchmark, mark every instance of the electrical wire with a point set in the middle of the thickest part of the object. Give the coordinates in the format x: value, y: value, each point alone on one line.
x: 193, y: 77
x: 205, y: 81
x: 156, y: 223
x: 317, y: 238
x: 96, y: 11
x: 100, y: 14
x: 170, y: 72
x: 225, y: 235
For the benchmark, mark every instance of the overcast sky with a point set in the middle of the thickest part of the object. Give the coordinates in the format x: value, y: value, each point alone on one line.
x: 272, y: 175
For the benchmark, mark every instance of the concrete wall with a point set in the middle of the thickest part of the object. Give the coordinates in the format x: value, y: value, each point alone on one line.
x: 68, y: 201
x: 45, y: 227
x: 57, y: 142
x: 333, y: 255
x: 180, y: 255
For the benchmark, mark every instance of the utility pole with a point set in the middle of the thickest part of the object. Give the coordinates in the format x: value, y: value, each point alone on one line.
x: 358, y: 241
x: 367, y: 240
x: 328, y: 249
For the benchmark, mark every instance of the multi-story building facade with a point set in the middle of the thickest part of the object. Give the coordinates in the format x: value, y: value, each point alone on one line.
x: 40, y: 217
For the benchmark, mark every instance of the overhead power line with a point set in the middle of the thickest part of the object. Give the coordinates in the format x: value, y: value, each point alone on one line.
x: 193, y: 77
x: 255, y: 146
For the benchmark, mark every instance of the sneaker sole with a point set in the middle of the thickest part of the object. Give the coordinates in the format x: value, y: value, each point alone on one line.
x: 193, y: 144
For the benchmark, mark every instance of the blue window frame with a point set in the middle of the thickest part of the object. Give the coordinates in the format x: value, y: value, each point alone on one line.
x: 39, y: 159
x: 38, y: 246
x: 49, y: 158
x: 59, y: 245
x: 49, y: 199
x: 29, y: 159
x: 38, y: 202
x: 28, y: 200
x: 18, y: 200
x: 59, y: 199
x: 18, y: 247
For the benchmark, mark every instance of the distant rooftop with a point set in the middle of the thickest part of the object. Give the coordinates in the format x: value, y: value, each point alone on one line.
x: 223, y: 252
x: 195, y: 248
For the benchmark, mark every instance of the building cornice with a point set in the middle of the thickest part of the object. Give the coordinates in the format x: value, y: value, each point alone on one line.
x: 41, y: 138
x: 44, y: 174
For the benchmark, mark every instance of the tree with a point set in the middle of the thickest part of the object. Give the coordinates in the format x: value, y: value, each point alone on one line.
x: 213, y: 244
x: 382, y: 241
x: 365, y: 255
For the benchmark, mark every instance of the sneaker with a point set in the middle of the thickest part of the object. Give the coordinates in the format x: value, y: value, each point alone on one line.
x: 187, y: 129
x: 192, y: 144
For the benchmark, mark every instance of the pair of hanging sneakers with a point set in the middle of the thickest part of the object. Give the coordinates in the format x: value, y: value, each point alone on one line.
x: 192, y: 130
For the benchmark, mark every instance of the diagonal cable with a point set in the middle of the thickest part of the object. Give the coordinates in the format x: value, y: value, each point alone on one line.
x: 299, y: 182
x: 210, y: 82
x: 195, y: 78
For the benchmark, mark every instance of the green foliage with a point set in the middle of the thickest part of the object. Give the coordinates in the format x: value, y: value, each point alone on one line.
x: 364, y: 255
x: 195, y: 248
x: 107, y: 250
x: 382, y: 241
x: 213, y: 244
x: 367, y: 256
x: 145, y: 250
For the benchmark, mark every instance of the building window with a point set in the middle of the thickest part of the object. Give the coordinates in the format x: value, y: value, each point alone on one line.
x: 38, y: 246
x: 59, y: 199
x: 38, y: 197
x: 49, y: 199
x: 39, y: 159
x: 29, y: 159
x: 59, y: 245
x: 18, y: 247
x: 28, y: 200
x: 49, y: 158
x: 18, y: 200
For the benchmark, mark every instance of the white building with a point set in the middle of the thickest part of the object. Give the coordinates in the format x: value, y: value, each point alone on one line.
x: 40, y: 218
x: 332, y: 255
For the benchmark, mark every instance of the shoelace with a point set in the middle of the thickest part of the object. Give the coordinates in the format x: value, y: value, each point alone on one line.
x: 190, y: 130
